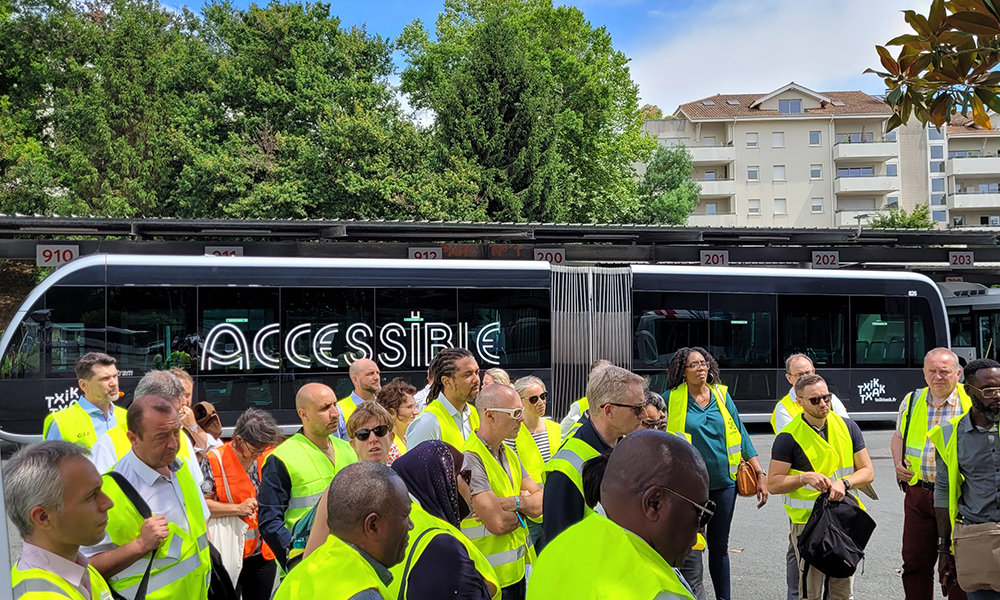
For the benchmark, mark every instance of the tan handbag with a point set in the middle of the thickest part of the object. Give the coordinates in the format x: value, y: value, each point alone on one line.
x: 746, y: 479
x: 977, y: 554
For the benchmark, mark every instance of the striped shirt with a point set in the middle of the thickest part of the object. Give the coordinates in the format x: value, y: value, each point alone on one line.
x: 936, y: 415
x: 542, y: 441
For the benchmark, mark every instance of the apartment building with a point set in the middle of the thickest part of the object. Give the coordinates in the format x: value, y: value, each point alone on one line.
x: 790, y: 158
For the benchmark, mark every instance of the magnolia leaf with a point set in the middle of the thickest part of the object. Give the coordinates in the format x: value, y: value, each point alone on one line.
x: 887, y: 61
x: 936, y: 17
x: 989, y: 98
x: 894, y: 122
x: 908, y: 38
x: 921, y: 63
x: 979, y: 115
x: 975, y: 23
x: 919, y: 23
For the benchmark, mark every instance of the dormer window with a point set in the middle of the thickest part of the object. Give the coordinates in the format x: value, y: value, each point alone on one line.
x: 789, y: 107
x: 707, y: 103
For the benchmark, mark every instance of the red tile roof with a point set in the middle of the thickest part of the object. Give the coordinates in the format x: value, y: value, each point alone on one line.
x: 855, y: 103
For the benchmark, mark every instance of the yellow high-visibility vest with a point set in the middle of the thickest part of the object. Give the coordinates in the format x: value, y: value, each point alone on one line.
x: 833, y: 457
x: 677, y: 421
x: 36, y: 584
x: 945, y: 440
x: 530, y: 455
x: 75, y: 425
x: 335, y: 571
x: 916, y: 436
x: 450, y: 433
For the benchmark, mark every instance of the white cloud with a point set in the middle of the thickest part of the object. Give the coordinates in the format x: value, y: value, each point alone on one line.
x: 750, y: 46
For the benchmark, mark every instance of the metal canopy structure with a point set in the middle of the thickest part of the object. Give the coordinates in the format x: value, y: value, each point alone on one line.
x: 928, y: 251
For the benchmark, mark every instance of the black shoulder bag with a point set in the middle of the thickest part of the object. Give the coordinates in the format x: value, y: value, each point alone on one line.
x: 906, y: 431
x: 144, y: 511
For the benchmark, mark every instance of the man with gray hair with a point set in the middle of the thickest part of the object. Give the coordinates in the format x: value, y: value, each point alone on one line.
x: 617, y: 399
x: 113, y: 445
x: 578, y: 410
x: 54, y: 498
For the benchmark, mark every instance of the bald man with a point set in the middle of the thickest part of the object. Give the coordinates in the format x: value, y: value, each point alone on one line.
x: 368, y: 510
x: 367, y: 384
x: 655, y: 492
x: 297, y: 473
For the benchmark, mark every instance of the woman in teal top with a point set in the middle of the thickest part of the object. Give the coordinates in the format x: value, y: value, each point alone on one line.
x: 693, y: 378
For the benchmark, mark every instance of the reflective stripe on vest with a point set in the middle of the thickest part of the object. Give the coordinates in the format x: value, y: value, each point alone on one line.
x: 916, y: 436
x: 75, y: 425
x: 309, y: 471
x: 42, y: 585
x: 505, y: 552
x: 237, y: 488
x: 833, y: 458
x: 945, y: 443
x: 530, y: 455
x: 450, y: 433
x: 677, y: 422
x: 181, y: 564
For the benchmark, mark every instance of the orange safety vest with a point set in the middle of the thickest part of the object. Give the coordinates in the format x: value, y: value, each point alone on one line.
x: 233, y: 486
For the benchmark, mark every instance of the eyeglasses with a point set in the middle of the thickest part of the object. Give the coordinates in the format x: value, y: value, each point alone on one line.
x: 797, y: 375
x: 658, y: 425
x: 824, y: 398
x: 515, y: 413
x: 697, y: 364
x: 986, y: 392
x: 544, y: 397
x: 466, y: 474
x: 704, y: 512
x: 362, y: 434
x: 636, y: 408
x: 249, y: 450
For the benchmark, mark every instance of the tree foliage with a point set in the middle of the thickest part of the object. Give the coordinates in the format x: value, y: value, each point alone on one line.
x: 669, y: 195
x: 650, y: 111
x: 946, y: 65
x: 898, y: 218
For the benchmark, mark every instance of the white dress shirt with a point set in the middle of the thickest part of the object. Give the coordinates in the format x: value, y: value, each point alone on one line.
x: 421, y: 397
x: 104, y: 457
x: 426, y: 427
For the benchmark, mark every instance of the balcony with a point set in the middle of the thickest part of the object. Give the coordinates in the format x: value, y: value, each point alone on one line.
x: 849, y: 218
x: 966, y: 200
x: 716, y: 187
x: 713, y: 220
x: 978, y: 165
x: 712, y: 155
x: 865, y: 150
x: 878, y: 184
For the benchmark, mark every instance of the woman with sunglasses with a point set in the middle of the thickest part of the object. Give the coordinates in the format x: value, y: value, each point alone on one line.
x: 368, y: 432
x: 701, y: 409
x: 397, y: 397
x: 232, y: 478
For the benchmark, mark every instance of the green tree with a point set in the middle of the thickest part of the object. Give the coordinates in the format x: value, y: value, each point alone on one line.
x: 650, y: 111
x: 669, y: 195
x: 898, y: 218
x: 946, y: 65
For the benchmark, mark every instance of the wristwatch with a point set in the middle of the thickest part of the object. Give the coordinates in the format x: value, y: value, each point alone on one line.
x: 847, y: 484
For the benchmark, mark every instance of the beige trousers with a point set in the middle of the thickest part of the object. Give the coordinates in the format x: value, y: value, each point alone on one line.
x: 840, y: 588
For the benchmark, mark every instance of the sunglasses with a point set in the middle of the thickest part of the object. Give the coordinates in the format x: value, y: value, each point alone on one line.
x: 697, y: 364
x: 515, y: 413
x: 362, y: 434
x: 986, y: 392
x: 658, y: 425
x: 797, y: 375
x: 636, y: 408
x: 544, y: 396
x: 704, y: 512
x: 824, y: 398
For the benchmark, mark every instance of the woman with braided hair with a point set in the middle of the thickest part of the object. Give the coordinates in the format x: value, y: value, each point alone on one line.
x: 454, y: 386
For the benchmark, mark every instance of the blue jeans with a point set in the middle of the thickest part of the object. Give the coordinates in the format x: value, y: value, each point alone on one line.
x: 983, y: 595
x: 717, y: 540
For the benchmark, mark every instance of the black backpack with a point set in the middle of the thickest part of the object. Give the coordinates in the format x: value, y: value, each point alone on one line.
x: 834, y: 539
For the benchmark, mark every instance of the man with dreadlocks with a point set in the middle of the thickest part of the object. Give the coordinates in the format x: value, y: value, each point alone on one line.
x: 454, y: 385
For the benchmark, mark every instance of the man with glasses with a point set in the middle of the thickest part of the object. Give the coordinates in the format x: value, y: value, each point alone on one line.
x: 817, y: 452
x: 788, y: 408
x: 616, y: 398
x: 503, y: 493
x: 966, y: 491
x: 655, y: 492
x: 914, y: 457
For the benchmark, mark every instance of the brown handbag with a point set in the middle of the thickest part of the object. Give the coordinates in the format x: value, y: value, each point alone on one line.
x: 746, y: 479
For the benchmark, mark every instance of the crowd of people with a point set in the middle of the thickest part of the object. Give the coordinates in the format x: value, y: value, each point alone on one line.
x: 466, y: 489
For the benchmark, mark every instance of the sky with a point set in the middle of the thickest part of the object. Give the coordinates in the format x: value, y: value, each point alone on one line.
x: 685, y: 50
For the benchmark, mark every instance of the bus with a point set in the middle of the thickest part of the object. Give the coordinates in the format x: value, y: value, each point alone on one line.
x: 253, y: 330
x: 973, y: 319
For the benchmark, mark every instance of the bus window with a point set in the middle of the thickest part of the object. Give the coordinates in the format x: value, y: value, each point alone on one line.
x: 151, y: 328
x: 879, y: 330
x: 815, y: 326
x: 231, y: 319
x: 922, y: 330
x: 74, y: 326
x: 961, y: 329
x: 742, y: 329
x: 664, y: 322
x: 333, y: 314
x: 23, y: 359
x: 988, y: 336
x: 523, y: 337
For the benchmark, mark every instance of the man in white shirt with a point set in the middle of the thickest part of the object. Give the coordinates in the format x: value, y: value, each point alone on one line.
x: 421, y: 396
x: 151, y: 466
x: 54, y: 498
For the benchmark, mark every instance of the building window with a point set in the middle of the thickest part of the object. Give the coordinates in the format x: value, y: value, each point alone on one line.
x: 855, y: 171
x: 940, y: 216
x: 891, y: 170
x: 854, y: 137
x: 817, y: 205
x: 753, y: 207
x: 779, y: 173
x: 710, y: 175
x: 958, y: 221
x: 780, y: 206
x: 708, y: 141
x: 984, y: 220
x: 753, y: 173
x: 937, y: 184
x: 933, y: 133
x: 891, y: 136
x: 778, y: 139
x: 892, y: 202
x: 937, y: 152
x: 814, y: 138
x: 710, y: 208
x: 964, y: 154
x: 789, y: 107
x: 937, y: 166
x: 752, y: 140
x: 816, y: 172
x: 989, y: 188
x: 937, y: 199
